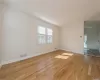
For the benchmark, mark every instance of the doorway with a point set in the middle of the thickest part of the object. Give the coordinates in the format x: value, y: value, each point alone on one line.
x: 92, y: 38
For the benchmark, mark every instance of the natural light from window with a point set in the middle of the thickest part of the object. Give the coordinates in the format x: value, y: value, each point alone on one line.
x: 64, y: 56
x: 45, y: 35
x: 41, y: 30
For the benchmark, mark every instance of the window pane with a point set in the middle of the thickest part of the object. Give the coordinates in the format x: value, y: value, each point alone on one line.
x: 49, y: 39
x: 49, y: 31
x: 41, y: 30
x: 41, y: 39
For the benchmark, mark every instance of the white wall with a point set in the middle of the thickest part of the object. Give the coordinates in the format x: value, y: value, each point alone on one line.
x: 71, y: 40
x: 20, y: 36
x: 1, y: 17
x: 0, y: 47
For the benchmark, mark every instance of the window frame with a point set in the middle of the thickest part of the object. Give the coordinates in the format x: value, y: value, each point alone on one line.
x: 49, y: 36
x: 46, y: 36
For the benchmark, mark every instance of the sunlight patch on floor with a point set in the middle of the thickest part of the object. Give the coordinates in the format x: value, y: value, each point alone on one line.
x: 67, y: 54
x: 89, y: 70
x: 64, y: 56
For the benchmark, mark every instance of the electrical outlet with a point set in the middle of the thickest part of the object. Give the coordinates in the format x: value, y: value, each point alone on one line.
x: 55, y: 48
x: 23, y: 55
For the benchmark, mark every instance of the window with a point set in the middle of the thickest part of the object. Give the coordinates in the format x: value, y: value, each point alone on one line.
x: 44, y: 35
x: 49, y: 35
x: 41, y: 35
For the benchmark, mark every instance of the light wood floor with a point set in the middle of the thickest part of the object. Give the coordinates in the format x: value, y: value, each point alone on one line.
x: 58, y: 65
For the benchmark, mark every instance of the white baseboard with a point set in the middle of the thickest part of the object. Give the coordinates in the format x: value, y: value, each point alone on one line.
x: 73, y: 51
x: 19, y: 59
x: 16, y: 60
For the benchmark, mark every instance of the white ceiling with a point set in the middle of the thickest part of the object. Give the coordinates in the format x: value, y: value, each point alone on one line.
x: 60, y: 12
x: 1, y: 1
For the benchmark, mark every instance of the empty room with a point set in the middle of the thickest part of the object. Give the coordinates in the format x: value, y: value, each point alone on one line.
x: 49, y: 40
